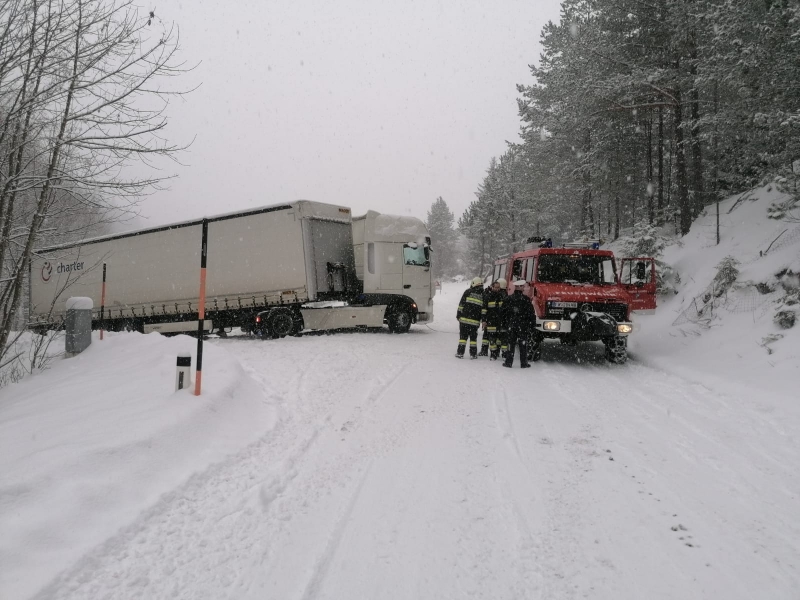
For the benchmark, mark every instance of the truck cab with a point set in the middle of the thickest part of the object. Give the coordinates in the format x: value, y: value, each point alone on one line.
x: 393, y: 266
x: 579, y: 295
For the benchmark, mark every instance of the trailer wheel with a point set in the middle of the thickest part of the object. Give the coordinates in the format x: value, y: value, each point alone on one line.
x: 280, y: 322
x: 399, y: 320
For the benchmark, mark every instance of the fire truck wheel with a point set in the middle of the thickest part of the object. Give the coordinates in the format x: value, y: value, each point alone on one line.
x: 535, y: 351
x: 617, y: 350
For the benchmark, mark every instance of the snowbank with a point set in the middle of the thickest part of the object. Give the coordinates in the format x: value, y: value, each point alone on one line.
x: 89, y: 444
x: 727, y: 338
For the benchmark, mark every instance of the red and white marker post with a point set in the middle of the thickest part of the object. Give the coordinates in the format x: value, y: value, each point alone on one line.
x: 201, y: 312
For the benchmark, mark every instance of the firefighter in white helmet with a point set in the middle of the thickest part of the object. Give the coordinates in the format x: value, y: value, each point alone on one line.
x: 519, y: 320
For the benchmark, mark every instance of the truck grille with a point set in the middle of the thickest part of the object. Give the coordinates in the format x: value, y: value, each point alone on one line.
x: 616, y: 310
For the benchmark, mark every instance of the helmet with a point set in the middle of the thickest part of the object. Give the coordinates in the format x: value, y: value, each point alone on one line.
x: 502, y: 282
x: 477, y: 281
x: 519, y: 283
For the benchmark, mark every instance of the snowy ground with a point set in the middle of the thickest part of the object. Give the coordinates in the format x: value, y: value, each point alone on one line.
x: 377, y: 466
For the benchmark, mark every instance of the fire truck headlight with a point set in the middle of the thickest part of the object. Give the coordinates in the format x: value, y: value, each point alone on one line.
x: 624, y: 328
x: 551, y: 325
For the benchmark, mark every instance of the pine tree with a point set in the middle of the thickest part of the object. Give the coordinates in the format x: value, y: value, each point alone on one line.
x: 443, y: 239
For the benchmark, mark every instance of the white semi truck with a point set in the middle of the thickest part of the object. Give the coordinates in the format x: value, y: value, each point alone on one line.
x: 274, y: 271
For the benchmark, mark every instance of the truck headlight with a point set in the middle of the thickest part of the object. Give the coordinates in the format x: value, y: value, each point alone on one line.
x: 624, y: 328
x: 551, y: 325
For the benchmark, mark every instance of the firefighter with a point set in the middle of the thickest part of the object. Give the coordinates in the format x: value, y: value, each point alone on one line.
x: 493, y: 303
x: 519, y: 320
x: 469, y: 318
x: 485, y: 338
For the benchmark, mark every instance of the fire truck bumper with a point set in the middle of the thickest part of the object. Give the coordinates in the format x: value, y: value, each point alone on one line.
x: 558, y: 327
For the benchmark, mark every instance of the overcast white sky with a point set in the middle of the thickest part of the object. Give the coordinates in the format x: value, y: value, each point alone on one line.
x: 374, y: 105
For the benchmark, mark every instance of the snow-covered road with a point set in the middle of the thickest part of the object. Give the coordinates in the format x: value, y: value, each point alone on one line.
x: 396, y: 471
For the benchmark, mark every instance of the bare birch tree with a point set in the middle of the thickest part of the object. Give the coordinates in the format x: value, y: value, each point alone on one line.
x: 84, y: 85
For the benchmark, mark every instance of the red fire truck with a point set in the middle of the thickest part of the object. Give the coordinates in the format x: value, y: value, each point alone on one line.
x: 581, y: 293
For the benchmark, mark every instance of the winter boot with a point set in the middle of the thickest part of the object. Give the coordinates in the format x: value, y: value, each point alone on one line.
x: 459, y: 356
x: 506, y: 364
x: 525, y: 365
x: 484, y: 352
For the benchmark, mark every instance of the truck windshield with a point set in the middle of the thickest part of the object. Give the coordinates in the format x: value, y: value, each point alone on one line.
x: 416, y: 254
x: 576, y: 269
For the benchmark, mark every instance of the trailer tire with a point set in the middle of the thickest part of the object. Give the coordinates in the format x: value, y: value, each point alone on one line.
x: 280, y: 323
x: 399, y: 320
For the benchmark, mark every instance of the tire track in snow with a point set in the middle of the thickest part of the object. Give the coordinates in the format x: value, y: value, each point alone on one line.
x: 174, y: 546
x: 744, y: 461
x: 323, y: 563
x: 568, y: 461
x: 507, y: 429
x: 244, y: 496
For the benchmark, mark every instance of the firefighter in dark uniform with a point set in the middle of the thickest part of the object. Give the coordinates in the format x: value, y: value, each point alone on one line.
x: 469, y: 317
x: 487, y: 292
x: 492, y: 305
x: 519, y: 320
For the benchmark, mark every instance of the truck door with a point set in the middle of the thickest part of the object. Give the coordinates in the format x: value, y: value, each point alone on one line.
x: 516, y: 271
x: 638, y: 277
x: 417, y: 273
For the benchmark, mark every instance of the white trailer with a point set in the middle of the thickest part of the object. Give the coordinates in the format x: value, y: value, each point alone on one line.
x: 274, y: 270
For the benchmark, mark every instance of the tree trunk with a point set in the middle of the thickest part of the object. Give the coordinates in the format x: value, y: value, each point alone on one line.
x: 698, y: 191
x: 650, y: 207
x: 715, y: 158
x: 617, y: 207
x: 660, y: 165
x: 587, y: 214
x: 680, y: 167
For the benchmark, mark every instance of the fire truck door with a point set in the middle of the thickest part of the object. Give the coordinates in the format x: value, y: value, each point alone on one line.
x: 638, y: 277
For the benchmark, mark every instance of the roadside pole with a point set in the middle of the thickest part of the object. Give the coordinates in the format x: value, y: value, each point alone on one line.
x: 201, y: 312
x: 103, y: 303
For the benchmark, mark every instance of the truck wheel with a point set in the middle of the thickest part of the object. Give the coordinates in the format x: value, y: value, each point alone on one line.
x: 535, y: 351
x: 617, y: 350
x: 280, y: 323
x: 399, y: 320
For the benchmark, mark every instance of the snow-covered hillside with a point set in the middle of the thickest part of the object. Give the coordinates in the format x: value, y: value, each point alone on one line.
x: 728, y: 337
x: 373, y: 465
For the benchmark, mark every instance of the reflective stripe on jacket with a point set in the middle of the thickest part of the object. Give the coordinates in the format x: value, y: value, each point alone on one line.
x: 470, y: 306
x: 493, y: 304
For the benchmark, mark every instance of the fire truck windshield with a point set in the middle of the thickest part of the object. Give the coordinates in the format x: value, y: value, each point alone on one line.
x: 575, y: 269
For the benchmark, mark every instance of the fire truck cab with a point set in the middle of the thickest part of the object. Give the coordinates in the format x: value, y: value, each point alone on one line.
x: 579, y: 293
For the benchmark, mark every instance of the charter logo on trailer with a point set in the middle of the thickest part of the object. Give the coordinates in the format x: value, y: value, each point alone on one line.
x: 47, y: 269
